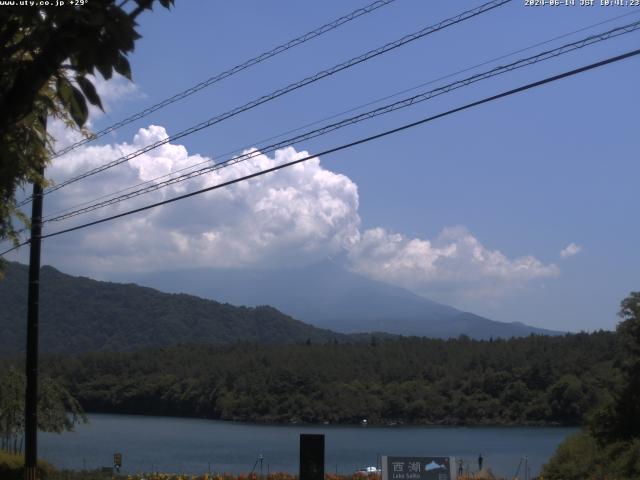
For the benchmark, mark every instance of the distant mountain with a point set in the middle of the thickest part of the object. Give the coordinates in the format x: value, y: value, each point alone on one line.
x: 78, y: 314
x: 329, y: 296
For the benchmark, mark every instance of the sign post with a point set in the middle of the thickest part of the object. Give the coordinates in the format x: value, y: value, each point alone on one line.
x: 311, y: 457
x: 418, y: 468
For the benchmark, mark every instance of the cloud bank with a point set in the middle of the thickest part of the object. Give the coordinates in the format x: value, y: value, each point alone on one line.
x: 298, y: 215
x: 455, y: 262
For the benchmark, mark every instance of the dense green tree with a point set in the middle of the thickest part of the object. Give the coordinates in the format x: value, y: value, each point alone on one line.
x: 46, y: 55
x: 405, y: 380
x: 58, y: 411
x: 627, y: 402
x: 11, y: 409
x: 574, y: 459
x: 619, y: 419
x: 568, y: 399
x: 610, y: 446
x: 79, y: 315
x: 582, y: 457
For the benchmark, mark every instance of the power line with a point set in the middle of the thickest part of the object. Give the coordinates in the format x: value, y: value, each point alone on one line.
x: 232, y: 71
x: 466, y: 15
x: 15, y: 247
x: 407, y: 102
x: 507, y: 93
x: 228, y: 73
x: 353, y: 109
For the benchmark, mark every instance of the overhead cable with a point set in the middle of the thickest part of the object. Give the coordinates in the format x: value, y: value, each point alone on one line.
x: 404, y: 103
x: 344, y: 112
x: 291, y: 87
x: 232, y: 71
x: 492, y: 98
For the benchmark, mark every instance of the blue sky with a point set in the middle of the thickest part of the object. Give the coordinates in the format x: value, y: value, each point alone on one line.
x: 523, y: 177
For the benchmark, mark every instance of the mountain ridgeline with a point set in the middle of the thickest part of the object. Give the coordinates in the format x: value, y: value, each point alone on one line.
x: 329, y: 296
x: 78, y: 314
x: 123, y: 348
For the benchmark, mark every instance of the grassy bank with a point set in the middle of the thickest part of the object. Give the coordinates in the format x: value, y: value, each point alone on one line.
x: 12, y: 468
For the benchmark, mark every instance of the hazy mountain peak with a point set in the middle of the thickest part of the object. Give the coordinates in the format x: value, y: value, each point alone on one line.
x: 328, y: 295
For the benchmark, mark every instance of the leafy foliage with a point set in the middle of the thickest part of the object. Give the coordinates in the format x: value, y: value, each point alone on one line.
x: 610, y: 446
x: 626, y: 406
x: 12, y: 467
x: 57, y: 410
x: 582, y: 457
x: 46, y: 54
x: 534, y: 380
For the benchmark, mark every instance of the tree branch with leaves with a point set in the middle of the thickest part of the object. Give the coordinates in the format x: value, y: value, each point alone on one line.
x: 58, y: 410
x: 47, y: 56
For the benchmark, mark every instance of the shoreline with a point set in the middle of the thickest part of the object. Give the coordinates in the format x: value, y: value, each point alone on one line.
x: 188, y: 445
x: 369, y: 424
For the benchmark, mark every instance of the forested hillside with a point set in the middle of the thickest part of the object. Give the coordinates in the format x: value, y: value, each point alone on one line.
x: 533, y: 380
x: 79, y: 314
x: 328, y: 295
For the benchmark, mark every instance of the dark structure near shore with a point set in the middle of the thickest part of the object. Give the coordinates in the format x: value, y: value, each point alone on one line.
x: 311, y: 457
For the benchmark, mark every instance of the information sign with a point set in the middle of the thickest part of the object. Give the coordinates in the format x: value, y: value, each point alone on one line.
x: 418, y: 468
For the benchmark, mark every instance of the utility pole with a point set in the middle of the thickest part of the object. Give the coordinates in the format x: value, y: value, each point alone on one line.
x: 33, y: 303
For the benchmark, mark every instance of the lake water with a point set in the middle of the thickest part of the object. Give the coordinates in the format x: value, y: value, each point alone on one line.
x: 183, y: 445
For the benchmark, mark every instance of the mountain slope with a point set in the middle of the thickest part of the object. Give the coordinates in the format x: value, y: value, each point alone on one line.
x: 78, y: 314
x: 329, y: 296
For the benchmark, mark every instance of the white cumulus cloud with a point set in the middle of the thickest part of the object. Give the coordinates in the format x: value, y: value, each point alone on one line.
x: 297, y: 215
x: 115, y: 89
x: 570, y: 250
x: 455, y: 264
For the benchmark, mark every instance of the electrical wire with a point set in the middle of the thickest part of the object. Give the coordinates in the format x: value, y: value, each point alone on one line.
x: 232, y: 71
x: 386, y: 133
x: 466, y: 15
x: 15, y: 247
x: 407, y: 102
x: 352, y: 109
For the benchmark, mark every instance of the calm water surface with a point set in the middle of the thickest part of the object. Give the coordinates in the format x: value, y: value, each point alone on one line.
x: 194, y: 446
